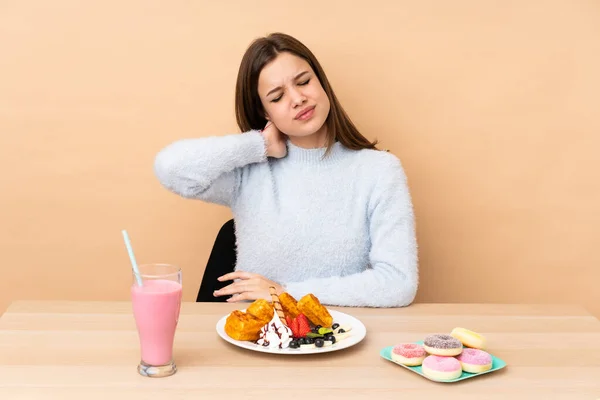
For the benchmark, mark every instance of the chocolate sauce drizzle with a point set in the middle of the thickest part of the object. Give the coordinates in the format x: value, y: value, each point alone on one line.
x: 266, y: 343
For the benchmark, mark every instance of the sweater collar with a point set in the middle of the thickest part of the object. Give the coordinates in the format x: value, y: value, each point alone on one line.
x: 314, y: 156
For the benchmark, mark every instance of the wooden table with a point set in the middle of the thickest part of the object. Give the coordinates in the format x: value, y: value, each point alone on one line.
x: 89, y: 350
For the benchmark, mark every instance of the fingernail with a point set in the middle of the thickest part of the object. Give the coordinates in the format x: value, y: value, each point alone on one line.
x: 216, y: 292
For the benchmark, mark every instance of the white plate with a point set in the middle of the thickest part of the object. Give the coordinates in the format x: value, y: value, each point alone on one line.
x: 357, y: 334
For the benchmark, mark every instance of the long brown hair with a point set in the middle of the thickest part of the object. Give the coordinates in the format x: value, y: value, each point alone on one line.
x: 249, y: 111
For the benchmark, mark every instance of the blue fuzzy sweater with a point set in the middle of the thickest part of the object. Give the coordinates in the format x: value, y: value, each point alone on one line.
x: 341, y: 227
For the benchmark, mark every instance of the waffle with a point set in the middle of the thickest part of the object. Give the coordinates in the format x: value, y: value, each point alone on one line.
x: 289, y: 305
x: 316, y: 313
x: 241, y: 325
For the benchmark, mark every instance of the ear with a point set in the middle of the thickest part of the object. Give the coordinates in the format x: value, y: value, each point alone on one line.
x: 265, y: 114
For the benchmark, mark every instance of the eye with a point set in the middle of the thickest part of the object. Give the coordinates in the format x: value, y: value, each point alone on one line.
x: 304, y: 83
x: 275, y: 100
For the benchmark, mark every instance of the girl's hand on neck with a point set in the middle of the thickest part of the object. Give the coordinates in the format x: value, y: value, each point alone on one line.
x: 274, y: 141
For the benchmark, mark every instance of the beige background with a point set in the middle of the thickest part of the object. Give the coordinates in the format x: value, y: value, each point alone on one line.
x: 492, y: 107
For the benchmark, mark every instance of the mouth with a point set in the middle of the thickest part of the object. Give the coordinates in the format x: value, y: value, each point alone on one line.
x: 306, y: 113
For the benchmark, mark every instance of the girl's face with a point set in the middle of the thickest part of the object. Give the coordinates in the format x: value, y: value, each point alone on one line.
x: 293, y: 98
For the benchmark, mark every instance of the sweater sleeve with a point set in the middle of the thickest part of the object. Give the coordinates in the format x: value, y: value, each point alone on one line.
x: 391, y: 278
x: 209, y: 168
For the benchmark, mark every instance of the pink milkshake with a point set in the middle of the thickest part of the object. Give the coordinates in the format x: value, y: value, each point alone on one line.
x: 156, y: 306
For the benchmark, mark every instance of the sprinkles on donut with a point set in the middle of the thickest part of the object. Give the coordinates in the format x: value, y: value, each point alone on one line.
x: 441, y: 344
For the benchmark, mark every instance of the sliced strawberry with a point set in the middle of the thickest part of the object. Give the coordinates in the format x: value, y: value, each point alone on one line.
x: 288, y: 321
x: 303, y: 325
x: 303, y: 318
x: 294, y: 328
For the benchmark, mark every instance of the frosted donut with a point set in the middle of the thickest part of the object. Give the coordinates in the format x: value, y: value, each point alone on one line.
x: 441, y: 368
x: 410, y: 354
x: 442, y: 345
x: 469, y: 338
x: 475, y: 361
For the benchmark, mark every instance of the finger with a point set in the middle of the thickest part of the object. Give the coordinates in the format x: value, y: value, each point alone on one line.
x: 265, y: 127
x: 236, y: 275
x: 237, y: 287
x: 234, y: 288
x: 242, y: 297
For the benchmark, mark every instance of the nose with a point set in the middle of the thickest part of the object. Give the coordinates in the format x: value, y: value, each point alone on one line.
x: 297, y: 97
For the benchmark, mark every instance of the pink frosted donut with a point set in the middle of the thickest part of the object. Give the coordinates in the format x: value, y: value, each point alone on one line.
x: 441, y: 368
x: 410, y: 354
x: 475, y: 361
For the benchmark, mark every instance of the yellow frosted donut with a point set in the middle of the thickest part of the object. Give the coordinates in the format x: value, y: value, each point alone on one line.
x: 469, y: 338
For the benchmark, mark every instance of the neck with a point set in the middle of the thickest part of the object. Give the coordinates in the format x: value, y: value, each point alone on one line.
x: 315, y: 141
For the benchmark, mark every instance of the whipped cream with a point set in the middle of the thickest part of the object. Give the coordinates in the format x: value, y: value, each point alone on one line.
x: 275, y: 334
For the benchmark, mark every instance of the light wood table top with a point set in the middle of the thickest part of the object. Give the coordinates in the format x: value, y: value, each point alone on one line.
x: 89, y: 350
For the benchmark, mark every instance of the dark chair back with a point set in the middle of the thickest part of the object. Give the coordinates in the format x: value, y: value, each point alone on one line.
x: 221, y: 261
